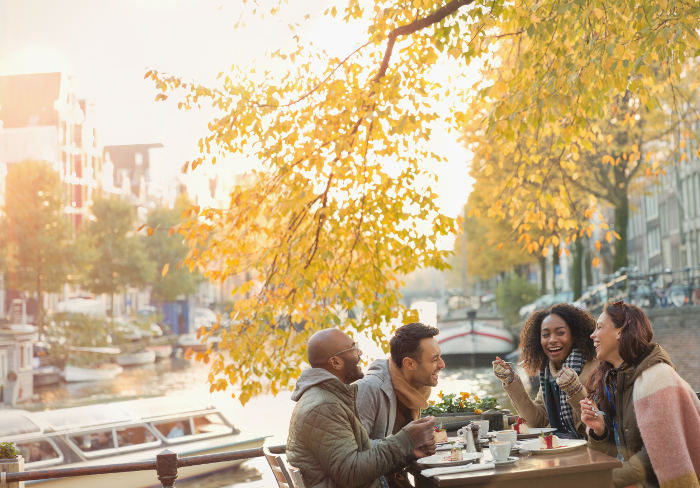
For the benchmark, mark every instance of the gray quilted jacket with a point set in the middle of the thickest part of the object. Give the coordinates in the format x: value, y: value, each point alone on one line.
x: 327, y: 441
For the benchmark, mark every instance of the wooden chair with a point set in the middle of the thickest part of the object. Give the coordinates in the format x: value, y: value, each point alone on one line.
x: 295, y: 474
x: 287, y: 476
x: 284, y: 479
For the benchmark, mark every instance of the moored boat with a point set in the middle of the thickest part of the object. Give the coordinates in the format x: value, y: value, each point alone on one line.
x: 464, y: 339
x: 136, y: 358
x: 162, y: 351
x: 121, y: 432
x: 46, y: 375
x: 105, y: 371
x: 191, y: 341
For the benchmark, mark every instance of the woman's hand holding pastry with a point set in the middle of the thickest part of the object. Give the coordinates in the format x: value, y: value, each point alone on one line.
x: 503, y: 371
x: 592, y: 417
x: 569, y: 382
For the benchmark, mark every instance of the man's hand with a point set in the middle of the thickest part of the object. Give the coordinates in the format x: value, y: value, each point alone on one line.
x: 421, y: 433
x: 424, y: 451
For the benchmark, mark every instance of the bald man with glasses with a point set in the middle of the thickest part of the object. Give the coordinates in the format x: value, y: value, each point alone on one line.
x: 327, y: 441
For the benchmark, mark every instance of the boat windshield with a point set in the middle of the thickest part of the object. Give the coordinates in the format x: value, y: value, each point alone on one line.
x: 14, y: 423
x: 36, y: 451
x: 94, y: 441
x: 211, y: 423
x: 131, y: 436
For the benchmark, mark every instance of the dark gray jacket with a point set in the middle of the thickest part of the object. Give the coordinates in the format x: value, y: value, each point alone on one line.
x: 327, y: 441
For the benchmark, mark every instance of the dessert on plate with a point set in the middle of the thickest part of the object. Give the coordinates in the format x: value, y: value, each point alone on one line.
x: 440, y: 436
x: 548, y: 441
x: 520, y: 426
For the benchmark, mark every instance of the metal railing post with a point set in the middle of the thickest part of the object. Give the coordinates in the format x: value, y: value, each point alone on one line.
x: 166, y: 466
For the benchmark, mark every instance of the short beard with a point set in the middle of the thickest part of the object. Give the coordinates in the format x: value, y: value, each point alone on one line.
x: 353, y: 375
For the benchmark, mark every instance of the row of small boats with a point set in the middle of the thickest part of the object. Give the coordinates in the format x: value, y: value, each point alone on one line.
x: 115, y: 362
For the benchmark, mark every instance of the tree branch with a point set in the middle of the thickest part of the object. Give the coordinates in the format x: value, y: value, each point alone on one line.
x: 415, y: 26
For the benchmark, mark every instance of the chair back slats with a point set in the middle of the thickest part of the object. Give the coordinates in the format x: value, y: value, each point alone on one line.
x: 276, y: 463
x: 295, y: 474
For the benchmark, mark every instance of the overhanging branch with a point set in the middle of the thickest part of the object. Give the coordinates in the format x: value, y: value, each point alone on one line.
x: 415, y: 26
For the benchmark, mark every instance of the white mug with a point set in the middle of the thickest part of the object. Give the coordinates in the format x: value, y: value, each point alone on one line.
x: 507, y: 435
x: 483, y: 427
x: 499, y: 450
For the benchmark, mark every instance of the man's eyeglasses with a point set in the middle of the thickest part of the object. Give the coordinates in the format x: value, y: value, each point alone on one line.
x: 351, y: 348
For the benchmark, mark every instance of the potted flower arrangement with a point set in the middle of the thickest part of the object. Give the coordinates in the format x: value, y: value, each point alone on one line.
x: 10, y: 461
x: 8, y: 451
x: 455, y: 410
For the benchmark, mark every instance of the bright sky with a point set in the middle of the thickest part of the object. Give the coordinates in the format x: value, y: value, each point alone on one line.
x: 107, y: 47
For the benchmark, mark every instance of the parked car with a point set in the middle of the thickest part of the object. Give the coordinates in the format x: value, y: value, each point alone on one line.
x: 546, y: 300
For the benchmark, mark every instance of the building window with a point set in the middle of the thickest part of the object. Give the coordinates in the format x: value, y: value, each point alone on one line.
x: 653, y: 242
x: 651, y: 206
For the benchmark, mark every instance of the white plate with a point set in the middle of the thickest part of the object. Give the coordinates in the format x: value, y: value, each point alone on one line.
x: 439, y: 461
x: 510, y: 460
x: 533, y: 445
x: 448, y: 445
x: 536, y: 431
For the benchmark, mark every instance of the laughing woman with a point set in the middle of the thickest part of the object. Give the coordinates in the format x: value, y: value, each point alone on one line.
x: 649, y: 416
x: 557, y: 347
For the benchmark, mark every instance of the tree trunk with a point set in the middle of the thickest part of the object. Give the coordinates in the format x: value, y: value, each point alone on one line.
x: 39, y: 306
x: 577, y: 270
x: 555, y: 264
x: 111, y: 304
x: 621, y: 223
x: 588, y: 265
x: 543, y: 274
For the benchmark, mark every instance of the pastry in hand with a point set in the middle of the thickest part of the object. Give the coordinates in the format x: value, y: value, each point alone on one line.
x: 440, y: 436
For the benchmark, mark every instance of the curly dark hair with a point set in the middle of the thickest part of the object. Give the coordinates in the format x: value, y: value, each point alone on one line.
x: 581, y: 323
x: 406, y: 341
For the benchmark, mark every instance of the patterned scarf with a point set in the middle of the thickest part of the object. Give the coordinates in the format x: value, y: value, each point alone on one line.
x: 566, y: 415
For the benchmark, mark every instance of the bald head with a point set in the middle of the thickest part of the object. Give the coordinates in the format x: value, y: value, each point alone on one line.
x: 323, y: 344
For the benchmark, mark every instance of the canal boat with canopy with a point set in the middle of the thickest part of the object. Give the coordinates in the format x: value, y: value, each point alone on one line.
x: 121, y: 432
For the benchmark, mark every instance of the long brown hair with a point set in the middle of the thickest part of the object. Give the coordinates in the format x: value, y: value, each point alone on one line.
x: 580, y: 322
x: 634, y: 345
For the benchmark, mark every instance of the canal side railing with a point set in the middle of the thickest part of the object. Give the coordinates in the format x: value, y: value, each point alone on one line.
x: 166, y: 465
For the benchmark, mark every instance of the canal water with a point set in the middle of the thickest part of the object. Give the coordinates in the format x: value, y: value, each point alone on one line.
x: 264, y: 415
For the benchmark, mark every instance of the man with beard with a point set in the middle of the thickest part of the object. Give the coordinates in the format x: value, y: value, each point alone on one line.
x: 327, y: 441
x: 396, y: 389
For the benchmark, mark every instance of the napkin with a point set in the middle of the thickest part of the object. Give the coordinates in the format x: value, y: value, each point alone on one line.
x: 456, y: 469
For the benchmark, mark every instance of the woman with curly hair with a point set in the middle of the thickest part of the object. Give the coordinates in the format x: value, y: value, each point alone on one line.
x: 556, y: 345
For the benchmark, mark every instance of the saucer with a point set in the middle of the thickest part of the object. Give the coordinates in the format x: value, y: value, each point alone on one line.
x: 510, y: 460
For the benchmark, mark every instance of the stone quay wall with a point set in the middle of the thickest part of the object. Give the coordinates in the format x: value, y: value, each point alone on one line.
x: 677, y: 330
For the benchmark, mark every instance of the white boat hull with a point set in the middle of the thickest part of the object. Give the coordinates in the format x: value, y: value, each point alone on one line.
x: 481, y: 340
x: 74, y: 374
x: 144, y: 479
x: 162, y: 352
x: 46, y: 375
x: 136, y: 358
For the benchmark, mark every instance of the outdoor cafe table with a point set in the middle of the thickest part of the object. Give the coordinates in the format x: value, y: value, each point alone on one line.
x: 581, y: 467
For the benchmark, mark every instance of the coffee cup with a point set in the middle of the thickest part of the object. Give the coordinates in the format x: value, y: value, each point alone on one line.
x: 499, y: 450
x: 507, y: 435
x: 483, y: 427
